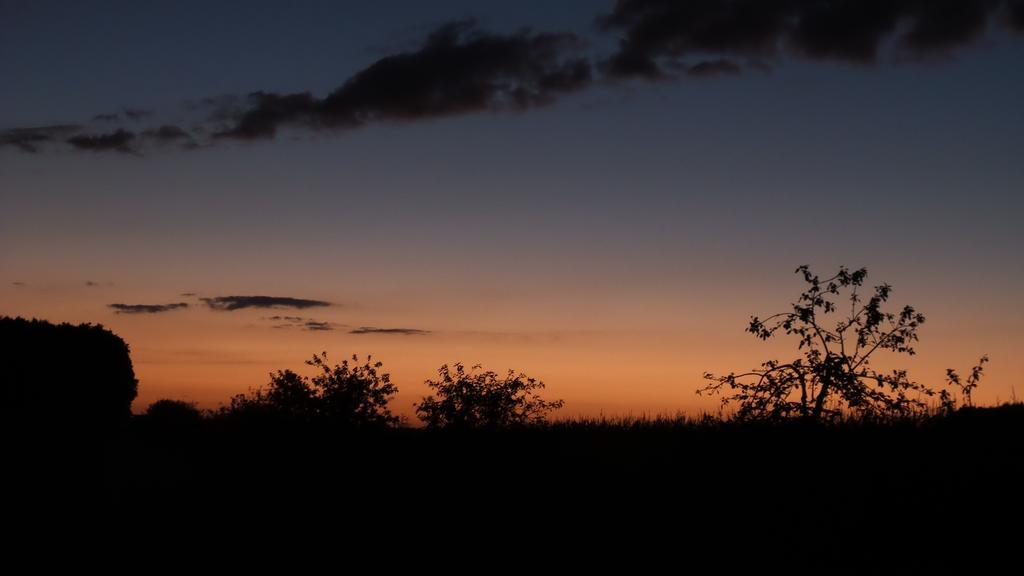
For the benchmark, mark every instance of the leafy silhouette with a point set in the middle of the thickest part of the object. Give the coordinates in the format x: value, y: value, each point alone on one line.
x: 64, y: 376
x: 965, y: 385
x: 174, y: 413
x: 835, y: 375
x: 65, y: 403
x: 483, y: 400
x: 345, y: 394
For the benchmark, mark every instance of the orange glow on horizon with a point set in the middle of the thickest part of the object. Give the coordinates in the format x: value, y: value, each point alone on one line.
x: 646, y: 357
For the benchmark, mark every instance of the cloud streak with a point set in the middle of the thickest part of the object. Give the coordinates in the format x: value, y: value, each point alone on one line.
x: 304, y: 323
x: 659, y: 35
x: 147, y: 308
x: 31, y: 139
x: 316, y: 326
x: 118, y: 141
x: 458, y: 70
x: 166, y: 133
x: 286, y: 318
x: 232, y: 303
x: 395, y: 331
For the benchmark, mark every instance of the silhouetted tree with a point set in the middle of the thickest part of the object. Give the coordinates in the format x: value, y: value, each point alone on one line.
x: 835, y: 374
x: 483, y: 400
x: 64, y: 376
x: 346, y: 394
x: 65, y: 401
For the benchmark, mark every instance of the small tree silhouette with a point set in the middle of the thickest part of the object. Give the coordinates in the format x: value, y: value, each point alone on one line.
x: 483, y: 400
x: 835, y: 373
x: 347, y: 394
x: 966, y: 386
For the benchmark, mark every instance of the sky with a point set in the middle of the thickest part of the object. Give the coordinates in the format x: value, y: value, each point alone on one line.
x: 598, y: 194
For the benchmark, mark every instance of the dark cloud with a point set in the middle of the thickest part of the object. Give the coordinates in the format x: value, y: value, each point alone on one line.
x: 303, y: 323
x: 166, y: 133
x: 458, y: 70
x: 319, y: 326
x: 710, y: 68
x: 461, y: 69
x: 147, y: 308
x: 287, y: 318
x: 170, y: 134
x: 399, y: 331
x: 30, y: 139
x: 1015, y: 15
x: 231, y: 303
x: 136, y: 114
x: 658, y: 33
x: 119, y: 141
x: 188, y: 294
x: 19, y: 284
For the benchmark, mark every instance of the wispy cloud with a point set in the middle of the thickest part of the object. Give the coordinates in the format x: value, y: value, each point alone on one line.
x: 147, y: 308
x: 167, y: 133
x: 318, y: 326
x: 231, y: 303
x: 31, y: 139
x: 286, y: 318
x: 304, y: 323
x: 119, y: 141
x: 397, y: 331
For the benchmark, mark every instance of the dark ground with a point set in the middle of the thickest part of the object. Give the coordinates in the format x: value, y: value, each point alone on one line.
x: 909, y: 496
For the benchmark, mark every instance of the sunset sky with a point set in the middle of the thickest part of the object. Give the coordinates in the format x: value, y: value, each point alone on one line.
x: 599, y: 194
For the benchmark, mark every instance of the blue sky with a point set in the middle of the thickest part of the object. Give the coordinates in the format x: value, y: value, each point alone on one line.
x: 630, y: 207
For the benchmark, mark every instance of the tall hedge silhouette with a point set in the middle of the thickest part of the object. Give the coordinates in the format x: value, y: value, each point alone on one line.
x: 64, y: 377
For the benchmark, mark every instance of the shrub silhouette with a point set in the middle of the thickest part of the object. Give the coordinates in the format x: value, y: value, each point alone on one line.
x: 60, y: 376
x: 835, y: 375
x: 344, y: 394
x: 483, y: 400
x: 166, y: 412
x: 966, y: 386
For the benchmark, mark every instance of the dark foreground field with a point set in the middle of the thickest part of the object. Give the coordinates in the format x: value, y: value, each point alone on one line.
x: 925, y: 493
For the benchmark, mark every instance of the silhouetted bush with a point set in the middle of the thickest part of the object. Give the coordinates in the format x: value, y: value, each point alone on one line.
x: 835, y: 378
x: 64, y: 376
x: 483, y: 400
x: 173, y: 413
x: 344, y: 394
x: 965, y: 386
